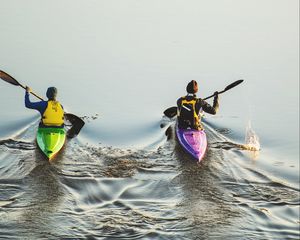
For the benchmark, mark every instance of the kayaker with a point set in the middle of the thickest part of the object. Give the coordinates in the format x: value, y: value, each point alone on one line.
x: 190, y: 108
x: 52, y: 112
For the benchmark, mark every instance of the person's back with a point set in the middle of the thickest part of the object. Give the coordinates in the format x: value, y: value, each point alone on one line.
x: 189, y: 108
x: 52, y: 113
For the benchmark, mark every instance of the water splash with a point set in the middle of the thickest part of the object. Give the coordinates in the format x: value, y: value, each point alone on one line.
x: 251, y: 139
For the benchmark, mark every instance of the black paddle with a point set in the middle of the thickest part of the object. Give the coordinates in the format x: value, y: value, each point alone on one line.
x: 77, y: 122
x: 172, y: 111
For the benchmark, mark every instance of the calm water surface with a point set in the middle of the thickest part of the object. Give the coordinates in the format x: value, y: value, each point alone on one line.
x: 119, y: 65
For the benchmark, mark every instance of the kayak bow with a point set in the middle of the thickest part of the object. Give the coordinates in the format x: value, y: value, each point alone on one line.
x: 51, y: 140
x: 193, y: 141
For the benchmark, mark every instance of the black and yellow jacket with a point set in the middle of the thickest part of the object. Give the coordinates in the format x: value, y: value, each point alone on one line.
x: 189, y: 109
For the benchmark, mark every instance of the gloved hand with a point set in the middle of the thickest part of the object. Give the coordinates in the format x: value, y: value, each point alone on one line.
x: 216, y: 101
x: 216, y: 97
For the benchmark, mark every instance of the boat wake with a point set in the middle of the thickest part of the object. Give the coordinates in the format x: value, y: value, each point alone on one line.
x: 17, y: 144
x: 221, y: 141
x: 148, y: 193
x: 227, y: 145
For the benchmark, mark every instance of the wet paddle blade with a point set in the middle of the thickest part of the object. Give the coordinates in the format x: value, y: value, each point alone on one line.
x: 7, y: 78
x: 232, y: 85
x: 171, y: 112
x: 77, y: 124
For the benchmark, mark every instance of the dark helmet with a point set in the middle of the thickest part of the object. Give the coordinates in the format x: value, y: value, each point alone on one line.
x: 192, y: 87
x: 51, y: 93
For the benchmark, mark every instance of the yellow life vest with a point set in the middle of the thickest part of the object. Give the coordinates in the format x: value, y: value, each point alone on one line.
x: 54, y: 114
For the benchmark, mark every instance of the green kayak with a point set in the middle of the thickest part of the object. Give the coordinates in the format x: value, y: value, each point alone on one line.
x: 51, y: 140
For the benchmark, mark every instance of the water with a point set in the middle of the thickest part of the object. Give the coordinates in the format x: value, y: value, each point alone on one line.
x: 120, y: 64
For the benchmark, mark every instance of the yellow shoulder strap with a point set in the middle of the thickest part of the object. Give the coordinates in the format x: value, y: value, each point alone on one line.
x: 193, y: 102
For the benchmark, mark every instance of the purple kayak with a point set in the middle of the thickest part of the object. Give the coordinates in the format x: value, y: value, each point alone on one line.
x: 193, y: 141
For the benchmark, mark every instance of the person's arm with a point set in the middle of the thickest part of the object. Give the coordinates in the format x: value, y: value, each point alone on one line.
x: 29, y: 104
x: 40, y: 106
x: 178, y: 105
x: 211, y: 109
x: 179, y: 102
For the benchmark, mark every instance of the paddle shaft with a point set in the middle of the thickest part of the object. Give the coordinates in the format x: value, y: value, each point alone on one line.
x: 22, y: 86
x: 77, y: 122
x: 214, y: 95
x: 172, y: 111
x: 232, y: 85
x: 7, y: 78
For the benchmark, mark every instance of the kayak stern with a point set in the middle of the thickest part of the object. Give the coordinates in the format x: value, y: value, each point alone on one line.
x: 51, y: 141
x: 193, y: 141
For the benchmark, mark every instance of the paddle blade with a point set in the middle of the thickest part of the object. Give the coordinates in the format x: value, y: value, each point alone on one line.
x: 232, y: 85
x: 77, y: 124
x: 7, y: 78
x: 171, y: 112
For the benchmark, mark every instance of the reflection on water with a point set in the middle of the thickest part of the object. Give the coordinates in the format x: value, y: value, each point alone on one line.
x: 33, y: 198
x: 101, y: 192
x: 205, y: 205
x: 42, y: 196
